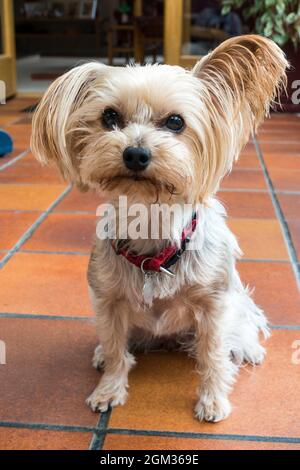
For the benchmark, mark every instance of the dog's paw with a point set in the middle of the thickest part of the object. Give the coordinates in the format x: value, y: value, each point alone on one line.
x: 212, y: 410
x: 257, y: 355
x: 98, y: 358
x: 100, y: 400
x: 254, y: 355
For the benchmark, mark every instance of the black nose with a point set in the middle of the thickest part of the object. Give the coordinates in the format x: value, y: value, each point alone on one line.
x: 136, y: 158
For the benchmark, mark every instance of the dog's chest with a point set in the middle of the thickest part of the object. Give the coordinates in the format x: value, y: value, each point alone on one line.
x: 165, y: 316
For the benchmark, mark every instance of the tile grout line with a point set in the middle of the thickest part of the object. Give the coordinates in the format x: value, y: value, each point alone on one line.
x: 280, y: 142
x: 280, y: 215
x: 31, y: 211
x: 34, y: 226
x: 243, y: 190
x: 14, y: 160
x: 33, y: 316
x: 102, y: 429
x: 46, y: 426
x: 258, y: 191
x: 263, y: 260
x: 99, y: 436
x: 195, y: 435
x: 15, y: 121
x: 54, y: 252
x: 285, y: 327
x: 25, y: 184
x: 96, y: 437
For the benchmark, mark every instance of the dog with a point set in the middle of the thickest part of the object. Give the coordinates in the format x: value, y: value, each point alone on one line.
x: 162, y: 134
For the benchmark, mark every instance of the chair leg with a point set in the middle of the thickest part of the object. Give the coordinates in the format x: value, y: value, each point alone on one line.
x: 110, y: 55
x: 139, y: 53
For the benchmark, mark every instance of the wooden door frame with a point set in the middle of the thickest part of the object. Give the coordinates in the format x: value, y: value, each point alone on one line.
x: 174, y: 33
x: 8, y: 57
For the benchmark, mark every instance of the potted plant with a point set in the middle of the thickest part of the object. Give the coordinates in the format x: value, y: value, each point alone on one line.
x: 278, y: 20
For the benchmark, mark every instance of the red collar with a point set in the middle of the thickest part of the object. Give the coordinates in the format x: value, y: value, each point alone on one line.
x: 167, y: 257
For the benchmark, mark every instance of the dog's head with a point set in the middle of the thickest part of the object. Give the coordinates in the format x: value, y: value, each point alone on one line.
x: 158, y: 129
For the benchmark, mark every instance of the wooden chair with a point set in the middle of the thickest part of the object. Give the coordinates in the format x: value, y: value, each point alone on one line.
x: 128, y: 31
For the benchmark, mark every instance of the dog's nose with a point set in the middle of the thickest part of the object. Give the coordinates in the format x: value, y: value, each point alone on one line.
x: 136, y: 158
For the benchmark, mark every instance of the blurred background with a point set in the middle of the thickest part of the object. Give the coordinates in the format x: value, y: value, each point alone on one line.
x: 40, y: 40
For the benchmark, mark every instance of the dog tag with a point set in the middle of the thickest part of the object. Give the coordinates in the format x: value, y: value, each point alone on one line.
x: 148, y: 288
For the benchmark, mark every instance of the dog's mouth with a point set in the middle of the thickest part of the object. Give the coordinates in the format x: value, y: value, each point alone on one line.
x: 146, y: 182
x: 135, y: 177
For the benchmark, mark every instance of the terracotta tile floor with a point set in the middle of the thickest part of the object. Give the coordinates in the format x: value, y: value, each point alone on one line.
x: 46, y: 318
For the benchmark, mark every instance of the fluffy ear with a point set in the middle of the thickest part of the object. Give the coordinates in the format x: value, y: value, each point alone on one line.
x: 238, y: 82
x: 53, y: 117
x: 244, y: 75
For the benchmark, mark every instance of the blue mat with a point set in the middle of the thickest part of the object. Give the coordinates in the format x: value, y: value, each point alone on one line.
x: 6, y: 143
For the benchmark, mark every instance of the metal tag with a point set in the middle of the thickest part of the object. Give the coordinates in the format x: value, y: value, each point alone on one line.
x: 148, y: 288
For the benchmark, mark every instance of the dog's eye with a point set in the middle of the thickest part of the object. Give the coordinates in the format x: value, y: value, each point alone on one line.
x: 111, y: 118
x: 175, y: 123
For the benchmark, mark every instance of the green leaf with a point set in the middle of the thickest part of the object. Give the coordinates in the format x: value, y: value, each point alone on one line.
x: 279, y: 29
x: 280, y: 8
x: 266, y: 16
x: 249, y: 12
x: 277, y: 19
x: 291, y: 18
x: 280, y: 39
x: 268, y: 29
x: 258, y: 5
x: 226, y: 9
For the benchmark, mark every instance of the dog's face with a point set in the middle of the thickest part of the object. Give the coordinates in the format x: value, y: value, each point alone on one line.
x: 158, y: 131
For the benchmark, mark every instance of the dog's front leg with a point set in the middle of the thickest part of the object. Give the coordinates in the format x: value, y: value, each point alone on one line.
x: 113, y: 328
x: 216, y: 370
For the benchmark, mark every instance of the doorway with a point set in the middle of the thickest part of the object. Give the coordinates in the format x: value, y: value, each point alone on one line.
x: 7, y: 50
x: 192, y: 29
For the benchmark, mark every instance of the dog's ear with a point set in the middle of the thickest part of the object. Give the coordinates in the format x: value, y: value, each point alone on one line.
x: 52, y: 119
x: 243, y: 76
x: 237, y: 84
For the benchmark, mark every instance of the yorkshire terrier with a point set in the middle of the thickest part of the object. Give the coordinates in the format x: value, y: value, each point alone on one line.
x: 162, y: 134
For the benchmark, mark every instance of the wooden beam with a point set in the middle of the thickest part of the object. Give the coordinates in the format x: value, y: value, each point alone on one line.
x: 8, y: 36
x: 138, y: 8
x: 187, y: 21
x: 8, y: 58
x: 173, y: 31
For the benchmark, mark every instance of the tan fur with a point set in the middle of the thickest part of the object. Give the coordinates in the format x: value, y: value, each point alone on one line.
x: 222, y: 101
